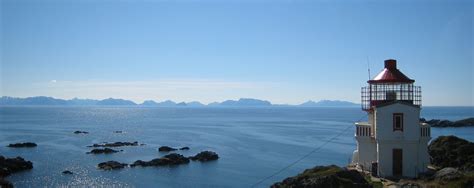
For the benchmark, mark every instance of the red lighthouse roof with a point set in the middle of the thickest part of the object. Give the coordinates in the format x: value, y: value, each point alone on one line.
x: 390, y: 74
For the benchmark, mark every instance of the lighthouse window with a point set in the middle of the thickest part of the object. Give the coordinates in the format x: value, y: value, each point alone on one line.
x: 397, y: 122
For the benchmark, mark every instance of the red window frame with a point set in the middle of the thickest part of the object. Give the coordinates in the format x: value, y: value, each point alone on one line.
x: 395, y: 127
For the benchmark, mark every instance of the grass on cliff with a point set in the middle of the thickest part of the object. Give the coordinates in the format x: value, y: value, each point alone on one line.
x: 373, y: 183
x: 321, y: 171
x: 466, y: 181
x: 333, y: 170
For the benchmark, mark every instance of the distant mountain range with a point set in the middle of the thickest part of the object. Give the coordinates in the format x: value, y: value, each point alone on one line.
x: 328, y: 103
x: 243, y: 102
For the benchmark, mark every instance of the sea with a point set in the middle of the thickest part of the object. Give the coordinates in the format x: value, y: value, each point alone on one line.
x: 257, y: 146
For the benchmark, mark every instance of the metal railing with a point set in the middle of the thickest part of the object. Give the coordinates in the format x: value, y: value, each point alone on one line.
x: 376, y: 94
x: 363, y: 129
x: 425, y: 130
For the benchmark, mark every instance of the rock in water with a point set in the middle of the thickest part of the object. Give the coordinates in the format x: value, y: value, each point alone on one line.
x: 81, y: 132
x: 115, y: 144
x: 465, y: 122
x: 170, y: 159
x: 110, y: 165
x: 166, y: 149
x: 446, y: 123
x: 23, y: 145
x: 205, y: 156
x: 174, y: 159
x: 67, y: 172
x: 184, y: 148
x: 451, y: 151
x: 102, y: 151
x: 12, y: 165
x: 325, y: 176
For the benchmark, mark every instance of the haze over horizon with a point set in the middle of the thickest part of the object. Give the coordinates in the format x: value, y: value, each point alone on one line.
x: 45, y: 100
x: 286, y: 52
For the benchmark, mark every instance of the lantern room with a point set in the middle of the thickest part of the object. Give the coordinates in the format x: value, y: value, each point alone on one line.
x: 388, y: 86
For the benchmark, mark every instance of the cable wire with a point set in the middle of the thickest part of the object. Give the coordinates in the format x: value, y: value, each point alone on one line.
x: 304, y: 156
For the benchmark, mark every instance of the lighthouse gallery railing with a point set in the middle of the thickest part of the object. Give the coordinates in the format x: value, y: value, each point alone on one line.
x: 376, y: 94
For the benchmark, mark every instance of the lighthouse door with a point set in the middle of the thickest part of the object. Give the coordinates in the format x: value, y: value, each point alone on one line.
x: 397, y: 162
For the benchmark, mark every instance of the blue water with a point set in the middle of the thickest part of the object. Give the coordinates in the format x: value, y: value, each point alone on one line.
x: 252, y: 143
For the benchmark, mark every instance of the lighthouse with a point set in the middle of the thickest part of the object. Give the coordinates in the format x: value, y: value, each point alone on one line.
x: 393, y: 142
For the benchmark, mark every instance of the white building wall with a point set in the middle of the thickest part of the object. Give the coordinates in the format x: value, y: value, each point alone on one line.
x: 415, y: 155
x: 380, y: 148
x: 410, y: 158
x: 384, y: 122
x: 371, y: 120
x: 366, y: 151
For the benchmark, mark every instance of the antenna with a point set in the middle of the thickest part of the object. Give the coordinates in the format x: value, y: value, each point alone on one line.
x: 368, y: 67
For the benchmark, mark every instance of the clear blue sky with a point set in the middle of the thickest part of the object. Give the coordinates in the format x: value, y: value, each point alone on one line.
x: 282, y: 51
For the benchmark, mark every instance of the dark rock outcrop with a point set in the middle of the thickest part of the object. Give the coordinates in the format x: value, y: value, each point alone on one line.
x: 166, y: 149
x: 110, y: 165
x: 170, y: 159
x: 184, y: 148
x: 67, y: 172
x: 448, y: 174
x: 325, y: 176
x: 81, y: 132
x: 13, y: 165
x: 451, y: 151
x: 205, y: 156
x: 23, y: 145
x: 115, y: 144
x: 446, y: 123
x: 103, y: 151
x: 5, y: 184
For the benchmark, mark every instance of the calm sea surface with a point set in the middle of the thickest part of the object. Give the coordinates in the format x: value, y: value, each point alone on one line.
x: 252, y: 142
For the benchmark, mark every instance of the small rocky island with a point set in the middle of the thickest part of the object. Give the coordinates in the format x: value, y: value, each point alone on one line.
x: 205, y: 156
x: 170, y: 159
x: 103, y: 151
x: 23, y: 145
x: 111, y: 165
x: 67, y: 172
x: 81, y: 132
x: 116, y: 144
x: 469, y: 122
x: 168, y: 149
x: 9, y: 166
x: 177, y: 159
x: 167, y: 160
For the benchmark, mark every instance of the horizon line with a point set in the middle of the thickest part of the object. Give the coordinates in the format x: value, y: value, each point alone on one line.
x: 177, y: 102
x: 272, y: 104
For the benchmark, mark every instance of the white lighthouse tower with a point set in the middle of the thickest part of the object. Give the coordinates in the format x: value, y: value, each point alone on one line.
x: 393, y: 143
